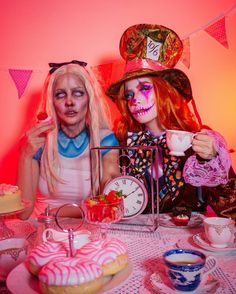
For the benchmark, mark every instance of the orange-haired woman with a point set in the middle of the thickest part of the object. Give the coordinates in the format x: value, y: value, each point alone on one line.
x: 152, y: 97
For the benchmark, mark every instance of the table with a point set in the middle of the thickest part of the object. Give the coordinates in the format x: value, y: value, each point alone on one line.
x: 145, y: 251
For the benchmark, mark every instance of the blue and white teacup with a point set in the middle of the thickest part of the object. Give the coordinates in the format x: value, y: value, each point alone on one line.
x: 186, y: 268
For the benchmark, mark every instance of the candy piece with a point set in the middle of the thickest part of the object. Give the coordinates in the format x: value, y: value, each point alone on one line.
x: 181, y: 215
x: 181, y: 220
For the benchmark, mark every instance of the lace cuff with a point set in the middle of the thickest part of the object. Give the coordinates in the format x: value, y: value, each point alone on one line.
x: 210, y: 173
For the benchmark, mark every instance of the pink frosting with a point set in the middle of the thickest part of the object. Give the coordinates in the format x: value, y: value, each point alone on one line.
x: 45, y: 252
x: 6, y: 188
x: 70, y: 271
x: 102, y: 251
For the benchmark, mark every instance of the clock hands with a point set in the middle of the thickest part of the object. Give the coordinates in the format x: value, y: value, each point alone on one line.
x: 126, y: 195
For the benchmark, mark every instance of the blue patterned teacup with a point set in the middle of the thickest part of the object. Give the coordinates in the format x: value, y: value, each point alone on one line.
x: 186, y: 268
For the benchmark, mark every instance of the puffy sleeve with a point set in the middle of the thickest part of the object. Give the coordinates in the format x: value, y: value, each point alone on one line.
x: 108, y: 138
x: 38, y: 154
x: 210, y: 173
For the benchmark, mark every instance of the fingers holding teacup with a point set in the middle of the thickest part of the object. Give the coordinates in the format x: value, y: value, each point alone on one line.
x: 179, y: 141
x: 203, y: 145
x: 186, y: 268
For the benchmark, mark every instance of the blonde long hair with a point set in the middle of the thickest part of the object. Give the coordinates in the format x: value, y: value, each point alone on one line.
x: 98, y: 117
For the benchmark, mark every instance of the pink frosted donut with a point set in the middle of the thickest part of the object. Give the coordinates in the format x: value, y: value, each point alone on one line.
x: 111, y: 254
x: 71, y: 275
x: 43, y: 253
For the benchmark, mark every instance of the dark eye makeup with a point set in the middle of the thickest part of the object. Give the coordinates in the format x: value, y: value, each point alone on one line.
x: 78, y: 93
x: 62, y: 94
x: 145, y: 87
x: 129, y: 94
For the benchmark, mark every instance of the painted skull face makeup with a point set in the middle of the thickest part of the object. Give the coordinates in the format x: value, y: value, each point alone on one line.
x: 141, y: 99
x: 70, y: 100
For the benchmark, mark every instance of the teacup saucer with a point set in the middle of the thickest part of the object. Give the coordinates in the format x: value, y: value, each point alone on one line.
x: 201, y: 240
x: 162, y: 286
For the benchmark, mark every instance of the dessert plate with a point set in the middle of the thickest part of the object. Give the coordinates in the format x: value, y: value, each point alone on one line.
x: 25, y: 204
x: 165, y: 220
x: 21, y: 281
x: 161, y: 285
x: 201, y: 240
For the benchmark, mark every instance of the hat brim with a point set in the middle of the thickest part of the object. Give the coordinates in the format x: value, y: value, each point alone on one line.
x: 174, y: 77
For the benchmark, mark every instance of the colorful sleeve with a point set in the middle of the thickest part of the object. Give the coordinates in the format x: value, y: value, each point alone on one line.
x: 109, y: 140
x: 210, y: 173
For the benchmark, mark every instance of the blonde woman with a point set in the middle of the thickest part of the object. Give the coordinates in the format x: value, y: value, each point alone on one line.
x: 55, y: 159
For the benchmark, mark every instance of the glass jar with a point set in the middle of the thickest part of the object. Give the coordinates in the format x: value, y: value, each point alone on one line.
x: 45, y: 221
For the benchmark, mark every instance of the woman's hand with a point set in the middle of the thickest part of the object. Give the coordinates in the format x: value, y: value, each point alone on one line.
x: 35, y: 137
x: 203, y: 145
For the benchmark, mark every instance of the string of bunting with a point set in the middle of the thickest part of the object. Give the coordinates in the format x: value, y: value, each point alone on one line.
x: 215, y: 28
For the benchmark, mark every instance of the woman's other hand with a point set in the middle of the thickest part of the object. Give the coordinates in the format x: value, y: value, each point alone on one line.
x: 203, y: 145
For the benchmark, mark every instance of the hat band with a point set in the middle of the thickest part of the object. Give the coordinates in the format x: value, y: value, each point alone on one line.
x: 136, y: 64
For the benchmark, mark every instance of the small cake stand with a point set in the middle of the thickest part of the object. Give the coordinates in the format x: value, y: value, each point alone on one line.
x: 6, y: 232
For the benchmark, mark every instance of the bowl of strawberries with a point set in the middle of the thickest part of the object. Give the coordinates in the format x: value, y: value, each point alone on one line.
x: 104, y: 209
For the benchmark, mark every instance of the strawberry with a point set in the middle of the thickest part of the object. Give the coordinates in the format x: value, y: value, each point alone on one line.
x: 42, y: 116
x: 101, y: 208
x: 90, y: 202
x: 101, y: 198
x: 114, y: 196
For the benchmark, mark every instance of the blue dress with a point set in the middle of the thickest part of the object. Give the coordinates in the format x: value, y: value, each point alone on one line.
x: 74, y: 161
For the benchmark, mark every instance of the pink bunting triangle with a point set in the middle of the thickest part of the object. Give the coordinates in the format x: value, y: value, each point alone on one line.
x: 185, y: 58
x: 21, y: 78
x: 218, y: 32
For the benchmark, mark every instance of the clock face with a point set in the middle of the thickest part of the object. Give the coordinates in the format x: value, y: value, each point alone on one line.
x: 134, y: 194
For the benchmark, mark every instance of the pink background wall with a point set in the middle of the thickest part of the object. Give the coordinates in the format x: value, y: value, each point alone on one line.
x: 34, y: 33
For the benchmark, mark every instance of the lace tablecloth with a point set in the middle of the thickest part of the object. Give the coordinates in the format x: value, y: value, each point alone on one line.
x: 21, y: 229
x: 146, y: 249
x: 145, y: 252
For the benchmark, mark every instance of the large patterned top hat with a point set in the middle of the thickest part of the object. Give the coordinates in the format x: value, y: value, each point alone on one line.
x: 152, y: 50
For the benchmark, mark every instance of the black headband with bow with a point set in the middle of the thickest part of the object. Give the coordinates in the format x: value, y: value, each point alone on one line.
x: 55, y: 66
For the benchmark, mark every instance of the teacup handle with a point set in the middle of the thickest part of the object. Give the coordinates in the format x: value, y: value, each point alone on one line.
x: 47, y: 234
x: 193, y: 135
x: 212, y: 263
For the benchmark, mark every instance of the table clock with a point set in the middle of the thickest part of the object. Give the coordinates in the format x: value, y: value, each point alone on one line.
x: 134, y: 193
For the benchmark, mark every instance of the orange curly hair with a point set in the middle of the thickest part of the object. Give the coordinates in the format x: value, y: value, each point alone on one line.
x: 173, y: 111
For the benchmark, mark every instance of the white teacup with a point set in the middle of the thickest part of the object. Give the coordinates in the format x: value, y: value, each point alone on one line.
x: 219, y: 231
x: 186, y: 268
x: 178, y: 141
x: 13, y: 251
x: 80, y: 237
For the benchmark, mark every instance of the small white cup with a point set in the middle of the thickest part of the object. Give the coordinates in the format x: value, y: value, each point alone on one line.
x: 80, y: 237
x: 178, y: 141
x: 13, y: 251
x: 185, y: 268
x: 219, y: 231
